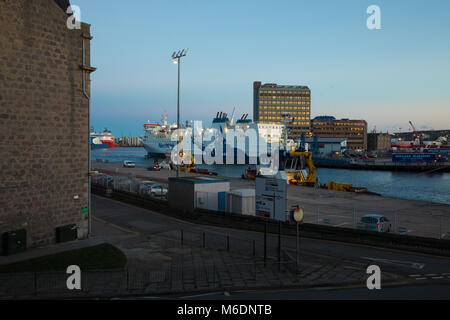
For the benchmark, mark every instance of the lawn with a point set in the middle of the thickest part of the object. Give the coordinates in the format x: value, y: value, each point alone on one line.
x: 100, y: 257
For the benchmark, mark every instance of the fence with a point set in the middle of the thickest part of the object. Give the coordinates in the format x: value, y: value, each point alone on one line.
x: 427, y: 224
x: 174, y: 278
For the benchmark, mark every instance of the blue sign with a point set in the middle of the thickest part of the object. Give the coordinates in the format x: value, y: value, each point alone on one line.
x: 413, y: 157
x: 437, y: 150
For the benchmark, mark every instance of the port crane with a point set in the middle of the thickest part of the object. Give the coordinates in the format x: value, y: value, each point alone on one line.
x: 416, y: 134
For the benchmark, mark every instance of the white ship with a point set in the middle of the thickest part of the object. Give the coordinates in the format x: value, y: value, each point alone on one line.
x: 158, y: 137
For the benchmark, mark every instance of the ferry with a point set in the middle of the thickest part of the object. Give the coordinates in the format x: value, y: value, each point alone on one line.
x: 157, y: 139
x: 159, y: 143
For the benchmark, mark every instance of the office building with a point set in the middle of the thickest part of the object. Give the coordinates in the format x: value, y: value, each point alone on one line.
x: 354, y: 130
x: 272, y: 102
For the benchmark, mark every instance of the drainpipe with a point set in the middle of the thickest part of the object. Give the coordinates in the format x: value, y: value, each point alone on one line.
x: 83, y: 67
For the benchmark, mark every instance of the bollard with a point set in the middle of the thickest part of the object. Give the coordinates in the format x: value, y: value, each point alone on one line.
x: 228, y: 243
x: 182, y: 237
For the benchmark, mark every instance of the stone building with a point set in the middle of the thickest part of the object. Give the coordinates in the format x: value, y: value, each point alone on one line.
x: 44, y: 119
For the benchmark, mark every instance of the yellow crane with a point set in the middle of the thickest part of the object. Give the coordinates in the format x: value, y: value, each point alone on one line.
x: 296, y: 176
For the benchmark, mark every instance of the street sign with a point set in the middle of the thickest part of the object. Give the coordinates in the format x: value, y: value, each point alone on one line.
x: 298, y: 214
x: 270, y: 198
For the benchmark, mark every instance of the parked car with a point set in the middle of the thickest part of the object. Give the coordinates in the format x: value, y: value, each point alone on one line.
x: 103, y: 180
x: 128, y: 164
x: 143, y: 186
x: 375, y: 222
x: 152, y: 189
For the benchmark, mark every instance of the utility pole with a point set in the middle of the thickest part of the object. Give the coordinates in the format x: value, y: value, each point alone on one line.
x: 176, y: 58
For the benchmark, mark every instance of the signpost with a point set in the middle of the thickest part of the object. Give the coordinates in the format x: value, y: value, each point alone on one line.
x: 298, y: 217
x: 270, y: 198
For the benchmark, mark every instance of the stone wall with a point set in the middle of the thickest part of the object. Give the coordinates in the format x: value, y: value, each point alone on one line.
x: 44, y: 120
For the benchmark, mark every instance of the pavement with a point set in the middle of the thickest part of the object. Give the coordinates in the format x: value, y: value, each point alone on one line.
x: 159, y: 264
x: 169, y: 257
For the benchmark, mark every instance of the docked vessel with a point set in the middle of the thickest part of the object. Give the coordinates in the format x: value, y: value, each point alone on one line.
x: 159, y: 143
x: 157, y: 139
x: 104, y: 139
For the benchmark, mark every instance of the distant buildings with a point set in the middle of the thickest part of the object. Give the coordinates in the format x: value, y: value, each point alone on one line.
x: 326, y: 146
x: 44, y: 122
x: 378, y: 141
x: 354, y: 130
x: 272, y: 101
x: 129, y: 141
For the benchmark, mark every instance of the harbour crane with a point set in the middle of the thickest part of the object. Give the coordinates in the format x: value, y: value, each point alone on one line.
x: 416, y: 134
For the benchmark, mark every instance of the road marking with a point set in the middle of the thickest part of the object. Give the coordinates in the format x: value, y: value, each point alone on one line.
x: 420, y: 278
x: 204, y: 295
x: 410, y: 264
x: 437, y: 277
x: 430, y: 275
x: 415, y: 275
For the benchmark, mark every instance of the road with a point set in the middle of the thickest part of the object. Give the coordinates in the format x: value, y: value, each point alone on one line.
x: 420, y: 270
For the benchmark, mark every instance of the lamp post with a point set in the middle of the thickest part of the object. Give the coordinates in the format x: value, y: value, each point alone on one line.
x: 176, y: 58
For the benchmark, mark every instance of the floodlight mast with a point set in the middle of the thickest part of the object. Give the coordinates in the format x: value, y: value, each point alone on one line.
x: 176, y: 57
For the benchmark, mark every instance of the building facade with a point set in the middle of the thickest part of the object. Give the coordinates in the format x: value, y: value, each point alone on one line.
x: 354, y: 130
x: 272, y: 102
x: 44, y: 120
x: 378, y: 141
x: 326, y: 146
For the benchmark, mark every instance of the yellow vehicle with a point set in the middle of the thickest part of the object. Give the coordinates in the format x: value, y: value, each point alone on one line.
x: 188, y: 167
x: 293, y: 167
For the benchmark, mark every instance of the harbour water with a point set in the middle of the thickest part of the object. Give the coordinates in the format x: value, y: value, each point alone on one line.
x: 433, y: 187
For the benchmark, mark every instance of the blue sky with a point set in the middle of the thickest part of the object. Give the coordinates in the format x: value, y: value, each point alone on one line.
x: 387, y: 76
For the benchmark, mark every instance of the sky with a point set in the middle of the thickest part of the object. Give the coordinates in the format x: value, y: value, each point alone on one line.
x: 386, y: 76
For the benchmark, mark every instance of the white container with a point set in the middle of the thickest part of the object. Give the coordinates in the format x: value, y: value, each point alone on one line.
x: 241, y: 201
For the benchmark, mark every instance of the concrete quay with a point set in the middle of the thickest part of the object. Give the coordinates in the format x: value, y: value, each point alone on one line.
x: 334, y: 208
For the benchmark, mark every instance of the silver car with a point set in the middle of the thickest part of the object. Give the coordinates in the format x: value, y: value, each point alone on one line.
x: 375, y: 222
x: 152, y: 189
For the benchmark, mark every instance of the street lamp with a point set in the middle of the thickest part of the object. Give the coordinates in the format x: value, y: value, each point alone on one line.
x: 176, y: 58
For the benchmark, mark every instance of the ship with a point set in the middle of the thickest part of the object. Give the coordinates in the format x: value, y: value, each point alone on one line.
x: 159, y: 142
x: 101, y: 140
x: 157, y: 139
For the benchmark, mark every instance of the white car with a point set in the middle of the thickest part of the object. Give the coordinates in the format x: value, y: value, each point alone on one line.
x: 128, y: 164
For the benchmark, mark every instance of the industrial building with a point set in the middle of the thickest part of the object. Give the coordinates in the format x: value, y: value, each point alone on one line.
x: 272, y: 103
x: 354, y: 130
x: 326, y: 146
x: 378, y: 141
x: 44, y: 123
x: 189, y: 193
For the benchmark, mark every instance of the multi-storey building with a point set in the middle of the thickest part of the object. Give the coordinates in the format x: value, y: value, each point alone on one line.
x: 354, y: 130
x: 44, y: 120
x: 378, y: 141
x: 272, y: 103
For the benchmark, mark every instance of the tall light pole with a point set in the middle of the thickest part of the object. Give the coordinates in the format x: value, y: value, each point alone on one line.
x: 176, y: 58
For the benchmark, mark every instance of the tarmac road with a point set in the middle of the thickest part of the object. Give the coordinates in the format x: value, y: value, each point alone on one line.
x: 420, y: 270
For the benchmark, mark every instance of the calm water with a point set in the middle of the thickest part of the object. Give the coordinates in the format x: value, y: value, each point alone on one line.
x: 433, y: 187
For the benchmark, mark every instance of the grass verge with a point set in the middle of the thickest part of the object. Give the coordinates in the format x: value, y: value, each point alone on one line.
x: 100, y: 257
